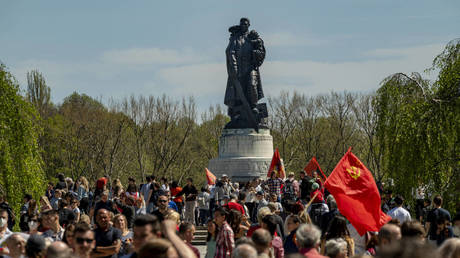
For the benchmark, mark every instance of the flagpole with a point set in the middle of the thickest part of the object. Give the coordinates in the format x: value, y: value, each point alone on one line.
x: 311, y: 200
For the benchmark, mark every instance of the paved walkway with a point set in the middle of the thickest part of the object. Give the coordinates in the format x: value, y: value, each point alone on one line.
x: 202, y: 249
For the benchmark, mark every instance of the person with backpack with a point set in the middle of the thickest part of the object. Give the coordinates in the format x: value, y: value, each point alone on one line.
x: 290, y: 189
x: 318, y: 207
x: 203, y: 205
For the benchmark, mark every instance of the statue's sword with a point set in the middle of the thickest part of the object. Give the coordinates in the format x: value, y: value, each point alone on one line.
x: 247, y: 109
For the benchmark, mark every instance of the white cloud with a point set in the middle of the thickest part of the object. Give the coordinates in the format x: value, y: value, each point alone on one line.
x: 145, y: 56
x: 122, y: 75
x: 196, y: 79
x: 289, y: 39
x: 410, y: 52
x: 323, y: 77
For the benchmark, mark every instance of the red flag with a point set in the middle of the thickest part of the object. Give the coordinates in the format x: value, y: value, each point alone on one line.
x: 313, y: 166
x: 277, y: 166
x: 210, y: 177
x: 356, y: 194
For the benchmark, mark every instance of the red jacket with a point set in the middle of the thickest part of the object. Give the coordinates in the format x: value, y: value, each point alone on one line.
x: 311, y: 253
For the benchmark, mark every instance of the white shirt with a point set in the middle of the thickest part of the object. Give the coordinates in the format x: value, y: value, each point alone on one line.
x: 145, y: 190
x: 420, y: 193
x: 5, y: 236
x: 360, y: 241
x: 399, y: 213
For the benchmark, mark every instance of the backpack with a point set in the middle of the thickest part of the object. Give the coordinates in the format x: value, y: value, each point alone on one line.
x: 316, y: 213
x: 201, y: 201
x: 288, y: 191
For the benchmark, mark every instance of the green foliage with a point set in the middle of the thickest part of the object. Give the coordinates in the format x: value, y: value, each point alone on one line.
x: 418, y: 128
x: 407, y: 132
x: 37, y: 92
x: 20, y: 163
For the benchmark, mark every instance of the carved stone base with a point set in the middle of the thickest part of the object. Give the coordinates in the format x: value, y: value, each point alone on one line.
x: 244, y: 154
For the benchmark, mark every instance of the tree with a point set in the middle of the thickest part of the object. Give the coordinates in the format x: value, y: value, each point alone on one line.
x: 20, y: 162
x: 418, y: 128
x: 38, y: 93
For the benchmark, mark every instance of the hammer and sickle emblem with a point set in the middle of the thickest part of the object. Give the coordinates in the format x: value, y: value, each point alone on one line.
x: 354, y: 172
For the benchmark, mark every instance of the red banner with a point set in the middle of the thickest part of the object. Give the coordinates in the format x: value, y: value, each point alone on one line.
x: 356, y: 194
x: 277, y: 166
x: 313, y: 165
x: 210, y: 177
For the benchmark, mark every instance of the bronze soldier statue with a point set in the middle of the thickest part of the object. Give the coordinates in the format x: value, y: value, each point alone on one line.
x: 245, y: 54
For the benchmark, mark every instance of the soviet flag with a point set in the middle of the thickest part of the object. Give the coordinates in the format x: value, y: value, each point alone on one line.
x: 356, y: 194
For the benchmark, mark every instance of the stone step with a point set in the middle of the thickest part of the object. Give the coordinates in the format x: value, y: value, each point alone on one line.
x: 200, y: 236
x: 198, y: 242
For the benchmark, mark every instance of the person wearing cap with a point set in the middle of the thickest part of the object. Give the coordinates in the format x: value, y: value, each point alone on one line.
x: 261, y: 202
x: 316, y: 193
x: 222, y: 189
x: 318, y: 207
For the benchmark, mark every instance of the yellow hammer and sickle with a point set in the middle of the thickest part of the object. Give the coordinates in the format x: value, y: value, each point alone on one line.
x: 354, y: 172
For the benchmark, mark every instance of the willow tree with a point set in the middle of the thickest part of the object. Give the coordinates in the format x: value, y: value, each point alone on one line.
x: 418, y: 128
x: 20, y: 163
x: 444, y: 125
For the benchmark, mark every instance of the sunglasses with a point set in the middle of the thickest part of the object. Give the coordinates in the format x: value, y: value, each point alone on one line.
x: 80, y: 240
x: 163, y: 201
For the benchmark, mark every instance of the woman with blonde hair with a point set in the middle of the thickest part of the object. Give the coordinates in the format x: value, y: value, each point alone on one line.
x: 117, y: 188
x: 82, y: 187
x: 139, y: 206
x: 44, y: 203
x: 262, y: 212
x: 120, y: 222
x: 174, y: 216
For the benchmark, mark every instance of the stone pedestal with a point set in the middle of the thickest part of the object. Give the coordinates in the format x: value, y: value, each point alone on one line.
x: 244, y: 154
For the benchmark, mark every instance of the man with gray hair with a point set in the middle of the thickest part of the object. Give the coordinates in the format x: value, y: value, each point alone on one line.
x: 308, y: 240
x: 336, y: 248
x: 244, y: 251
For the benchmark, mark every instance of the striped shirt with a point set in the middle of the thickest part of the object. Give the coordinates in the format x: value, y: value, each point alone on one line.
x: 274, y: 185
x: 224, y: 241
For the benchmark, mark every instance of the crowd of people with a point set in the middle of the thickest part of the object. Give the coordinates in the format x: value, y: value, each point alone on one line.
x: 275, y: 218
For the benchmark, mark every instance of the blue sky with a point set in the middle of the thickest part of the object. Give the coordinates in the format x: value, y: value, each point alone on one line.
x: 117, y: 48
